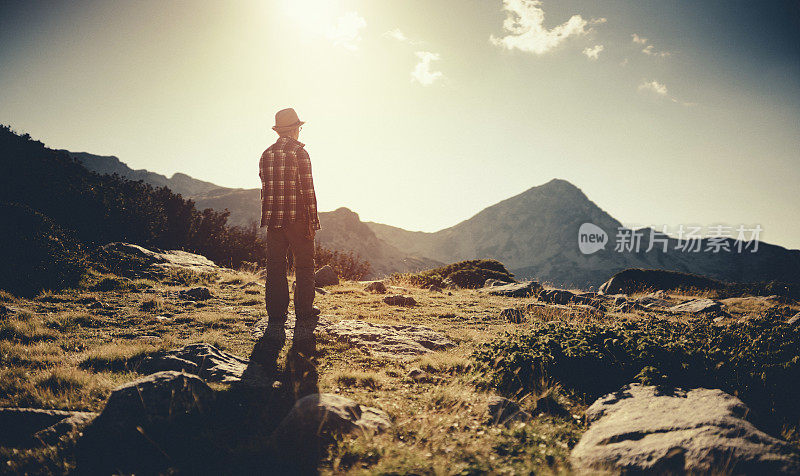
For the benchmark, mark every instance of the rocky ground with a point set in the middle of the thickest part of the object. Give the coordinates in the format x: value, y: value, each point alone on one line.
x: 393, y: 390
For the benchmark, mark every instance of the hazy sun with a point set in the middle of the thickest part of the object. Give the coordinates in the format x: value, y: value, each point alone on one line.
x: 313, y: 16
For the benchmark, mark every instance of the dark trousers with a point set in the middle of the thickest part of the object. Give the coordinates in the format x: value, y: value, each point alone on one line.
x: 279, y: 241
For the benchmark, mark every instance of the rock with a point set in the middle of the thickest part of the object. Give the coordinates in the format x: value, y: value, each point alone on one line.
x: 375, y: 287
x: 556, y: 296
x: 326, y: 276
x: 637, y: 280
x: 326, y: 414
x: 195, y: 294
x: 418, y: 375
x: 494, y: 282
x: 400, y: 300
x: 511, y: 314
x: 640, y: 429
x: 794, y: 319
x: 393, y: 341
x: 525, y: 289
x: 317, y: 419
x: 702, y: 305
x: 96, y: 305
x: 68, y: 426
x: 503, y: 411
x: 656, y: 300
x: 149, y: 424
x: 18, y: 425
x: 208, y: 363
x: 161, y: 260
x: 435, y: 289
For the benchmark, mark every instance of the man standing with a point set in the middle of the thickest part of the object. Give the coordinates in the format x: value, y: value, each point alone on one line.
x: 289, y: 211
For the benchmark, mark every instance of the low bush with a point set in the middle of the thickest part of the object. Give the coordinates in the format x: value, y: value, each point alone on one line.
x: 756, y: 360
x: 36, y: 254
x: 464, y: 274
x: 348, y: 265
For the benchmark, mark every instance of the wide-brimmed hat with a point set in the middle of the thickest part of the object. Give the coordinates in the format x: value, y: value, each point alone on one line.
x: 286, y: 119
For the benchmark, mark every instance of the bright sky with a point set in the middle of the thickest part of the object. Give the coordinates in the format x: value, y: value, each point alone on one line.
x: 420, y: 113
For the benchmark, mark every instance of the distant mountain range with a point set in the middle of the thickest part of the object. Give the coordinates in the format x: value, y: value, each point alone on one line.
x: 534, y: 233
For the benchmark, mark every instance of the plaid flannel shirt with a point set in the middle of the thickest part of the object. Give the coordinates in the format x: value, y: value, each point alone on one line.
x: 287, y: 188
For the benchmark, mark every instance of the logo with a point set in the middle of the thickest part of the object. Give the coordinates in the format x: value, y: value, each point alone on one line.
x: 591, y: 238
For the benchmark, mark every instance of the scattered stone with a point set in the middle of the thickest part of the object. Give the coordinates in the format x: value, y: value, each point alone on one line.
x: 514, y: 315
x: 435, y: 289
x: 556, y: 296
x: 195, y: 294
x: 326, y: 276
x: 375, y: 287
x: 702, y: 305
x: 400, y: 300
x: 152, y: 422
x: 18, y: 425
x: 503, y: 411
x: 392, y: 341
x: 208, y: 363
x: 70, y: 425
x: 420, y: 376
x: 528, y: 288
x: 641, y: 429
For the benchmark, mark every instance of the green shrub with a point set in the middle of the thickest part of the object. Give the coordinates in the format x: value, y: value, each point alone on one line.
x: 756, y: 360
x: 465, y: 274
x: 36, y: 254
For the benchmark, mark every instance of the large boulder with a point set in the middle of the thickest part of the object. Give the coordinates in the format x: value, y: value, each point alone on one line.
x: 207, y: 362
x: 126, y: 258
x: 528, y: 288
x: 149, y: 424
x: 641, y: 429
x: 637, y: 280
x: 326, y: 276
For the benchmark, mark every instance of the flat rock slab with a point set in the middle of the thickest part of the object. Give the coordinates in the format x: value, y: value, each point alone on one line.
x: 698, y: 306
x: 386, y: 340
x: 166, y: 259
x: 208, y: 363
x: 641, y: 429
x: 528, y: 288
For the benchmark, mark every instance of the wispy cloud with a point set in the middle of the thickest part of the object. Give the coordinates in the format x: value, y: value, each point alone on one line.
x: 347, y: 30
x: 396, y: 34
x: 654, y: 86
x: 649, y: 49
x: 526, y: 31
x: 422, y: 71
x: 593, y: 52
x: 661, y: 90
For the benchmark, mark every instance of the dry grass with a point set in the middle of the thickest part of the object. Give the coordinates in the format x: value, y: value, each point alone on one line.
x: 56, y: 353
